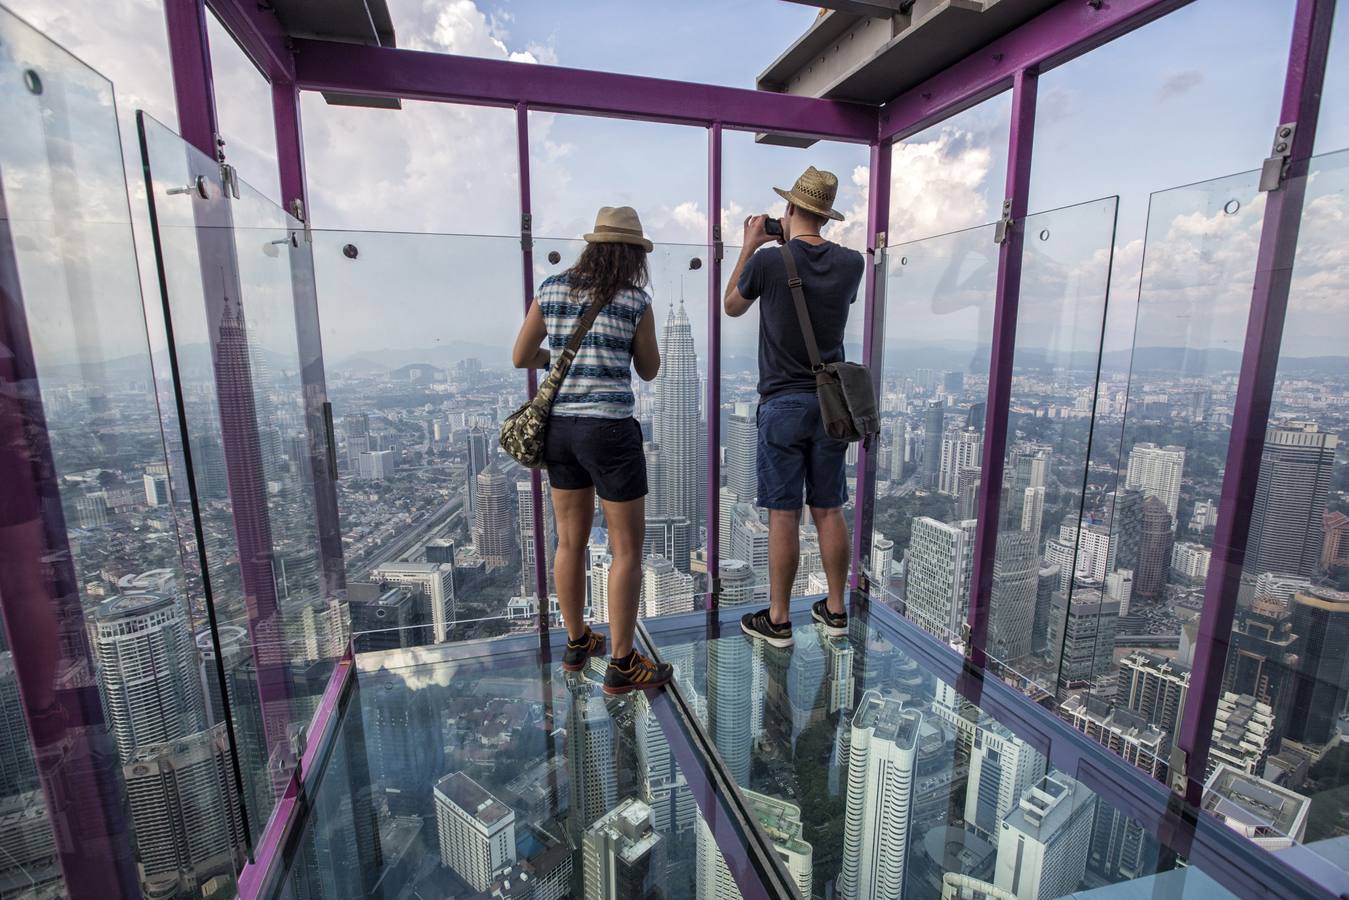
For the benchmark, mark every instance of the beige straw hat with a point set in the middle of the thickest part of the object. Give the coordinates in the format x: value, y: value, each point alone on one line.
x: 814, y: 191
x: 618, y: 225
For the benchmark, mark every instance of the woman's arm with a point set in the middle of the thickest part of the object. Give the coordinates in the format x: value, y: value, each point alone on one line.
x: 528, y: 354
x: 645, y: 347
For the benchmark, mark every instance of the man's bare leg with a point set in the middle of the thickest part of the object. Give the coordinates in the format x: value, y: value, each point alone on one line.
x: 835, y: 552
x: 784, y: 555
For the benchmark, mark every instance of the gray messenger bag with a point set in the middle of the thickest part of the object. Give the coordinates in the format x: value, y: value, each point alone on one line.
x: 847, y: 396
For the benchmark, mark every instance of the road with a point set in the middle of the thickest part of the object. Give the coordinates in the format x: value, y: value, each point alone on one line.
x: 402, y: 546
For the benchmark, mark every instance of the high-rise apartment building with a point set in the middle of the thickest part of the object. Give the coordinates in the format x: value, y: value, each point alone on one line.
x: 1321, y: 620
x: 1157, y: 472
x: 665, y: 589
x: 234, y: 651
x: 591, y: 772
x: 781, y: 821
x: 1124, y: 515
x: 524, y: 517
x: 493, y: 522
x: 1335, y: 544
x: 1043, y: 843
x: 742, y: 452
x: 1154, y: 549
x: 147, y: 665
x: 478, y: 454
x: 675, y: 424
x: 941, y: 559
x: 476, y: 830
x: 1263, y: 659
x: 959, y: 450
x: 617, y: 852
x: 881, y: 761
x: 1288, y: 517
x: 1016, y: 569
x: 1082, y: 633
x: 1243, y: 734
x: 1119, y: 587
x: 736, y: 583
x: 1190, y: 560
x: 934, y: 426
x: 749, y: 542
x: 1154, y: 687
x: 1126, y: 733
x: 185, y: 811
x: 673, y: 539
x: 1002, y: 767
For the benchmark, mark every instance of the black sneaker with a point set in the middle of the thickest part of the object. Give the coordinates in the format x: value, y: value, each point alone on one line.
x: 590, y: 644
x: 635, y: 673
x: 758, y: 625
x: 834, y: 624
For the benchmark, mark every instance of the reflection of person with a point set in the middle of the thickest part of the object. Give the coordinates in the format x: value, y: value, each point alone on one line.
x: 794, y: 452
x: 594, y: 445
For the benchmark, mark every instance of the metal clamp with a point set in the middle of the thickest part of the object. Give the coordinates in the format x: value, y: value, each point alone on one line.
x: 1275, y: 168
x: 1005, y: 224
x: 526, y: 231
x: 1178, y: 770
x: 198, y: 186
x: 229, y: 180
x: 877, y: 254
x: 718, y: 248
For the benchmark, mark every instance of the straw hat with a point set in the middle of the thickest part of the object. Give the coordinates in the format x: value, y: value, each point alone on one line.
x: 814, y: 191
x: 618, y: 225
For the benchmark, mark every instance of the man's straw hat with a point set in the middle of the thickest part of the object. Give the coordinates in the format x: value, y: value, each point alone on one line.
x: 814, y: 191
x: 618, y: 225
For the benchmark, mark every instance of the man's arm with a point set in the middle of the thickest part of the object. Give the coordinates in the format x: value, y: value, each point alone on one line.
x: 733, y: 301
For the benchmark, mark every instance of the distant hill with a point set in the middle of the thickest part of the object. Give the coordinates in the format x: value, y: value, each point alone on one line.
x: 441, y: 355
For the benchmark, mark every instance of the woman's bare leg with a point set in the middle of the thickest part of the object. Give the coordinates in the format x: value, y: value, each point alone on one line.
x: 627, y: 534
x: 573, y: 513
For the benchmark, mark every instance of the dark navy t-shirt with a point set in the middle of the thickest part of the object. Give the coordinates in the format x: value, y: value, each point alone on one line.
x: 830, y: 275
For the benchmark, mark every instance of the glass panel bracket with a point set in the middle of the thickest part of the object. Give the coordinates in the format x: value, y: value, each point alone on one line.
x: 1004, y: 225
x: 1275, y: 168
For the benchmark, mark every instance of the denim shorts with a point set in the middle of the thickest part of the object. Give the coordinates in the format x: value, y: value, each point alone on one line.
x: 796, y: 454
x: 587, y: 451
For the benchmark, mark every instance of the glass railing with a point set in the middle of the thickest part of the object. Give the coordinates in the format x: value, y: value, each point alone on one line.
x: 939, y: 299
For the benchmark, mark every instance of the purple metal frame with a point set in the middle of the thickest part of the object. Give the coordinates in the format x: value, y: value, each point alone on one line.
x: 416, y: 75
x: 1066, y: 31
x: 1000, y: 365
x: 1259, y: 364
x: 256, y: 29
x: 532, y: 375
x: 713, y: 400
x: 873, y: 341
x: 54, y: 667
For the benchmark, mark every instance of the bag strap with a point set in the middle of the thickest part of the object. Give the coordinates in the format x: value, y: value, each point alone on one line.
x: 583, y: 328
x: 802, y: 313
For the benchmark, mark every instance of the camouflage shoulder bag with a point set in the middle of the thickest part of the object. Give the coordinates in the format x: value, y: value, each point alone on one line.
x: 523, y: 432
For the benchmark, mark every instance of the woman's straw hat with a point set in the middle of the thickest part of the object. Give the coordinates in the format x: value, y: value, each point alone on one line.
x: 814, y: 191
x: 618, y: 225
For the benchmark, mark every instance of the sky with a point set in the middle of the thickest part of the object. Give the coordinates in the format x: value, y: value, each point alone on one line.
x: 1190, y: 98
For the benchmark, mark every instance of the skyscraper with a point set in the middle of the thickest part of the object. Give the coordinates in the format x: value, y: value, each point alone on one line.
x: 899, y: 437
x: 1154, y: 687
x: 934, y: 423
x: 881, y: 762
x: 493, y: 531
x: 941, y: 559
x: 670, y: 538
x: 145, y: 653
x: 1288, y: 518
x: 476, y: 830
x: 778, y: 819
x: 737, y: 583
x: 1002, y: 767
x: 1124, y: 513
x: 435, y: 581
x: 1263, y: 660
x: 1157, y: 471
x: 1082, y: 633
x: 1243, y: 734
x: 959, y: 451
x: 1126, y: 733
x: 1321, y: 620
x: 1016, y: 569
x: 524, y: 495
x: 742, y: 452
x: 617, y: 851
x: 185, y: 810
x: 1154, y: 550
x: 676, y: 419
x: 591, y: 772
x: 234, y: 651
x: 665, y: 589
x: 1042, y: 846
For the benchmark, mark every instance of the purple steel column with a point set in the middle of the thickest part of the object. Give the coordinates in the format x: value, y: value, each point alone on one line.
x: 713, y: 400
x: 309, y: 338
x: 1255, y: 388
x: 527, y: 267
x: 1000, y: 364
x: 873, y: 338
x: 53, y: 663
x: 189, y: 52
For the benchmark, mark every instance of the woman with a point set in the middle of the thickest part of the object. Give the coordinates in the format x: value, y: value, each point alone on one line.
x: 594, y: 445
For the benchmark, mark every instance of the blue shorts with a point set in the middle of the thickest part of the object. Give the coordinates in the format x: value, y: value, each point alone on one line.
x: 796, y: 454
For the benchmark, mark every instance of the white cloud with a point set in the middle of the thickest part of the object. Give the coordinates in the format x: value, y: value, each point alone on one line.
x: 937, y: 185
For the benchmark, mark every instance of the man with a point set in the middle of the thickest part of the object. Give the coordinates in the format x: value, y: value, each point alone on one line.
x: 795, y: 454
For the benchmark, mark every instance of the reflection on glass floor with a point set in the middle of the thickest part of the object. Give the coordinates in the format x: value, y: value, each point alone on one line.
x: 499, y: 775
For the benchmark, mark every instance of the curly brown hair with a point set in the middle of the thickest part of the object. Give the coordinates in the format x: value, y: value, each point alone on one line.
x: 605, y: 269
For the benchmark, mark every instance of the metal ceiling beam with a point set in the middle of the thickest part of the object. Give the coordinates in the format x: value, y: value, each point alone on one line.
x: 878, y: 9
x: 417, y: 75
x: 256, y: 29
x: 1067, y: 31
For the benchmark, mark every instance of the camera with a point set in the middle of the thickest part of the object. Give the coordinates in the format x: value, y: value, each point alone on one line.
x: 773, y: 226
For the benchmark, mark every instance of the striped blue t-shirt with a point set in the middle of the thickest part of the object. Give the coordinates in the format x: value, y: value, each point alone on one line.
x: 600, y: 381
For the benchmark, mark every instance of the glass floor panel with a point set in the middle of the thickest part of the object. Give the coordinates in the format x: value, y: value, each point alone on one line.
x: 879, y: 779
x: 445, y: 771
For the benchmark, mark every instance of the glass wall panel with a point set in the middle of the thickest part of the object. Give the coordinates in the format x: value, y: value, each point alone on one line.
x: 230, y: 267
x: 934, y: 386
x: 437, y: 522
x: 112, y: 770
x: 576, y: 792
x: 243, y: 100
x: 1286, y: 686
x: 1042, y: 540
x: 671, y: 412
x: 1332, y: 127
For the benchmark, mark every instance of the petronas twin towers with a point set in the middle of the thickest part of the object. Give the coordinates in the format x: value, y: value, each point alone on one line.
x: 676, y: 482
